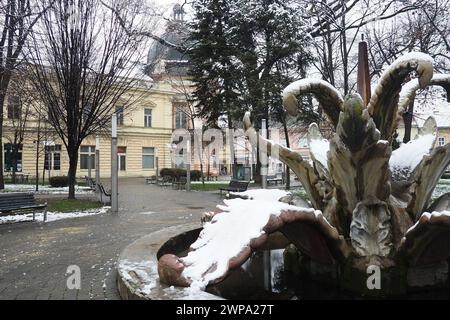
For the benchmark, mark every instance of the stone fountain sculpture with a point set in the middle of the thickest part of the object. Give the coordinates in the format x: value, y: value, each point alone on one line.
x: 371, y: 205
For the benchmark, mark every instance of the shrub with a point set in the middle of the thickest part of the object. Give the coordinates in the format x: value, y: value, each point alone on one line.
x: 59, y: 181
x: 196, y: 175
x: 166, y: 172
x: 177, y: 173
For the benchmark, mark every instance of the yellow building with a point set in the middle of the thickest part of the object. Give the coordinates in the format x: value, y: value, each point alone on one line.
x: 144, y: 128
x: 144, y: 134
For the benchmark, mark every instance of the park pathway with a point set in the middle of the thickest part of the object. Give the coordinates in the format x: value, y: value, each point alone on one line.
x: 34, y: 256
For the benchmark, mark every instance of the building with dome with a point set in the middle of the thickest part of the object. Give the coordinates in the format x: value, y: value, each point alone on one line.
x: 163, y: 61
x: 144, y: 130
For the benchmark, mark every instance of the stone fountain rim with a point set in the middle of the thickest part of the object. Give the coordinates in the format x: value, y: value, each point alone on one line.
x: 146, y: 249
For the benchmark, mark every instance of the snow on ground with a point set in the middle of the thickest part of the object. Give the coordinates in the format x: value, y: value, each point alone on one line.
x: 51, y: 216
x: 240, y: 221
x: 262, y: 194
x: 210, y: 182
x: 142, y: 274
x: 45, y: 189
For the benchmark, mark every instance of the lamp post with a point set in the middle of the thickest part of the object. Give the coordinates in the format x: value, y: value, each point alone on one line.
x: 97, y: 163
x: 156, y: 163
x: 188, y: 165
x: 114, y: 167
x: 263, y: 157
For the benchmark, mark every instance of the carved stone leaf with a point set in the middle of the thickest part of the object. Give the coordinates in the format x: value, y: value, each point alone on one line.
x: 440, y: 204
x: 383, y: 105
x: 356, y: 153
x: 409, y: 90
x: 425, y: 178
x: 304, y: 171
x: 370, y: 230
x: 328, y: 97
x: 427, y: 241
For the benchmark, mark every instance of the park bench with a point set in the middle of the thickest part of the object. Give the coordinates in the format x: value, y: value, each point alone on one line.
x: 90, y: 182
x: 21, y: 202
x: 105, y: 197
x: 236, y: 186
x: 151, y: 180
x: 213, y: 177
x: 274, y: 180
x: 165, y: 181
x: 181, y: 182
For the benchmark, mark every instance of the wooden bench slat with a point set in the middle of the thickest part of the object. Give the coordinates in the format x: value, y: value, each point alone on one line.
x: 236, y: 186
x: 20, y: 201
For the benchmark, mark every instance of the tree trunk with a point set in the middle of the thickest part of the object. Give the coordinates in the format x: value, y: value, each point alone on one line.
x: 231, y: 142
x: 14, y: 154
x: 2, y: 100
x: 286, y: 135
x: 38, y: 141
x: 407, y: 120
x: 73, y: 162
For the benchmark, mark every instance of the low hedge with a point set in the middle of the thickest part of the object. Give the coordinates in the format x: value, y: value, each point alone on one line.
x: 59, y: 181
x: 177, y: 173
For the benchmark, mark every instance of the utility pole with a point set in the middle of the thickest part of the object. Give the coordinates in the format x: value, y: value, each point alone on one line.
x: 188, y: 165
x: 157, y: 163
x: 114, y: 168
x: 97, y: 163
x: 263, y: 156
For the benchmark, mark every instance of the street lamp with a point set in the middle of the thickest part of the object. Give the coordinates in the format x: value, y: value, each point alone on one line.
x: 114, y: 167
x: 188, y: 165
x: 263, y: 157
x: 97, y: 163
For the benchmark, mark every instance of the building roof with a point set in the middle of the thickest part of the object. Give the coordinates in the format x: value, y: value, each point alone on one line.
x: 163, y: 59
x: 439, y: 109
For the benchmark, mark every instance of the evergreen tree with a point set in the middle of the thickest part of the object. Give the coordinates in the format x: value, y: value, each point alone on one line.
x: 214, y: 67
x: 242, y: 48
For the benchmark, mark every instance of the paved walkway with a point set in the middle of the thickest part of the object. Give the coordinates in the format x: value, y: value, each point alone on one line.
x: 34, y: 256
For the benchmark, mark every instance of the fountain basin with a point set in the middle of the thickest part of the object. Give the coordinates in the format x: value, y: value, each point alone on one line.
x: 137, y: 266
x: 272, y: 272
x: 138, y: 279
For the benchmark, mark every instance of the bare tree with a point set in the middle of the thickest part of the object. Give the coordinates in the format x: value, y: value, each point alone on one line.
x: 83, y: 66
x: 17, y: 18
x: 425, y: 29
x: 19, y: 111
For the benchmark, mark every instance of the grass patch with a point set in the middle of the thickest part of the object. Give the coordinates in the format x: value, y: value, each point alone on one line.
x: 208, y: 186
x: 71, y: 205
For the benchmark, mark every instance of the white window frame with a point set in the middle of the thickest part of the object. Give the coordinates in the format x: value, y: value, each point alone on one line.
x: 148, y: 154
x: 148, y: 118
x: 120, y: 157
x: 90, y: 153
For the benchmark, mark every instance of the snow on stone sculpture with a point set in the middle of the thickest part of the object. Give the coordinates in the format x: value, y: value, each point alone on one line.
x: 368, y: 201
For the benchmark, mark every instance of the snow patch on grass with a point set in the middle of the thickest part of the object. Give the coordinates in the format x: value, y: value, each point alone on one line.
x: 52, y: 216
x: 45, y: 189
